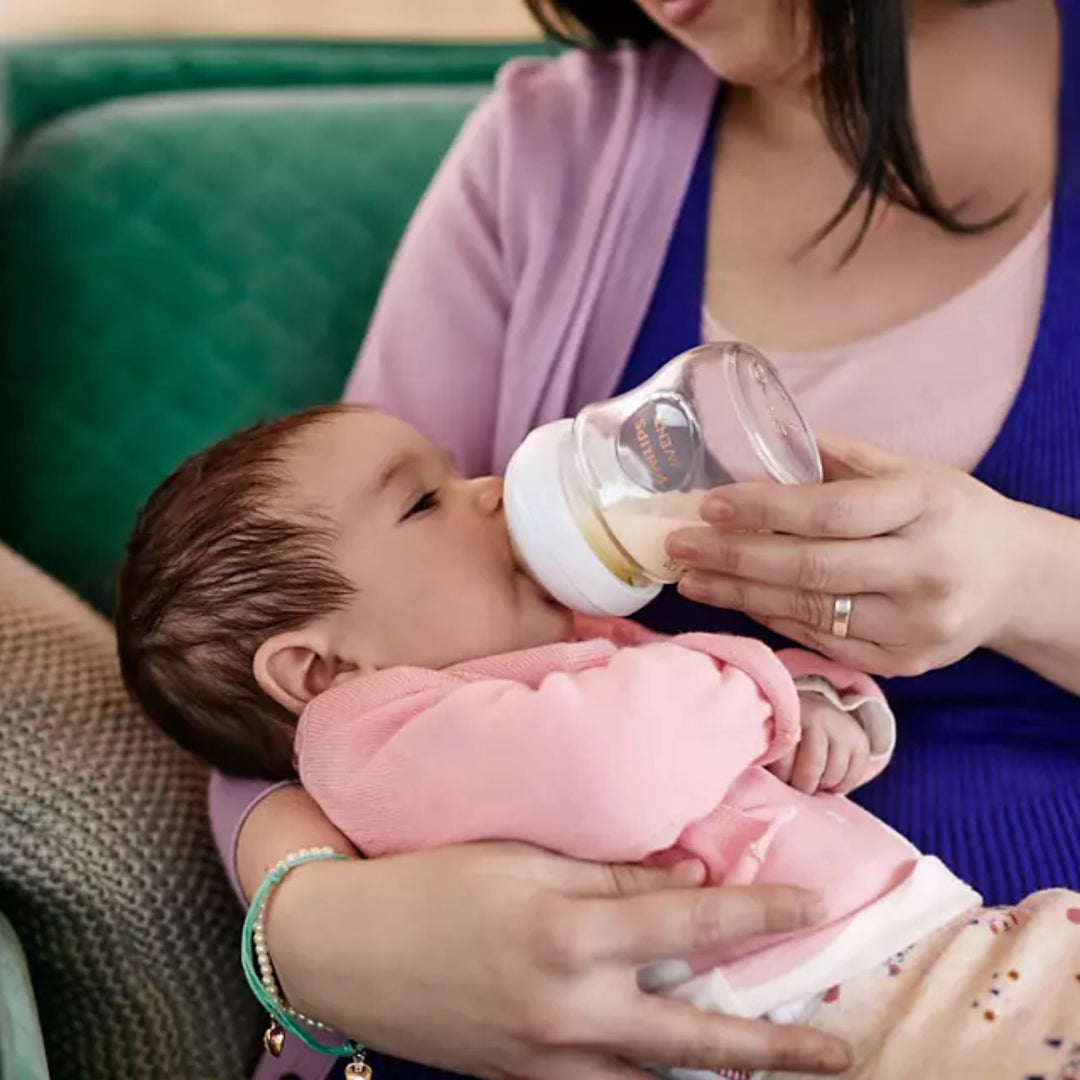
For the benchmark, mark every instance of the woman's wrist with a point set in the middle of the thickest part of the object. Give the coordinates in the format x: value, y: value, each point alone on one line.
x: 285, y: 820
x: 263, y: 980
x: 1027, y: 568
x: 1040, y: 583
x: 296, y: 932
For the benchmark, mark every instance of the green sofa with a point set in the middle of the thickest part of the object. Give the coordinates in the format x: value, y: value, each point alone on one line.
x: 192, y: 237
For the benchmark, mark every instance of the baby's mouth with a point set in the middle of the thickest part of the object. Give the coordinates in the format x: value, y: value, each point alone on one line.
x: 522, y: 571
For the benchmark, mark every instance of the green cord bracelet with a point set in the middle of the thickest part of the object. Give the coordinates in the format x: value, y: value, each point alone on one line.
x: 263, y: 986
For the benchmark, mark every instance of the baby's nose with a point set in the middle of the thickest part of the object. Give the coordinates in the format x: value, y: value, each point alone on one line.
x: 489, y: 494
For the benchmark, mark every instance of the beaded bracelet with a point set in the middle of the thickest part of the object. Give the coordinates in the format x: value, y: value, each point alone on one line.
x: 264, y: 984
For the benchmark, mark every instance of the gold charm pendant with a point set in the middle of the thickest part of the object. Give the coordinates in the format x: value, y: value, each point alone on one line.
x: 358, y: 1070
x: 274, y: 1039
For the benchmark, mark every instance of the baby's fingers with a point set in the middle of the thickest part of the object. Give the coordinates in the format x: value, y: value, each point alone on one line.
x: 837, y: 767
x: 811, y: 757
x: 782, y: 767
x: 857, y: 767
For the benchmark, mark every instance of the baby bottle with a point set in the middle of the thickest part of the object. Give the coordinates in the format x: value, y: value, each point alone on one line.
x: 591, y: 501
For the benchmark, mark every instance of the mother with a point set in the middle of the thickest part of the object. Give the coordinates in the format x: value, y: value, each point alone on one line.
x: 885, y: 196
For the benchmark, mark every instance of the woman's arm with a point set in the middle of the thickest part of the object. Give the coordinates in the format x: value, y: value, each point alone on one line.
x: 281, y: 823
x: 1042, y: 630
x: 497, y: 961
x: 433, y: 351
x: 500, y: 960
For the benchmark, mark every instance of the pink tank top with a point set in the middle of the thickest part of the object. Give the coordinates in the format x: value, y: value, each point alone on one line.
x: 938, y: 386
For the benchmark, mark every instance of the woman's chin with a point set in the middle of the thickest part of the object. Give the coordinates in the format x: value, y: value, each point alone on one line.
x: 754, y: 45
x: 683, y: 12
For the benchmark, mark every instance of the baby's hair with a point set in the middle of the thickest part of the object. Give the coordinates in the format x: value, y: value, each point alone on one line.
x: 213, y: 568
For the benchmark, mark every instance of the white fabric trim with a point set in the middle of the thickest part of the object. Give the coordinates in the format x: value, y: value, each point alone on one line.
x: 928, y: 899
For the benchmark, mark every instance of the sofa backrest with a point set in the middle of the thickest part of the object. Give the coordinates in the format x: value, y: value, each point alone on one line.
x: 42, y: 81
x: 174, y: 266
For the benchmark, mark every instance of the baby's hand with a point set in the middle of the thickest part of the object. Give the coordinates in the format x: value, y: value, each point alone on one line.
x: 832, y: 754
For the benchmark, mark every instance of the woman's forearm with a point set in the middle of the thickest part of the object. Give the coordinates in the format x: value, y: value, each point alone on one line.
x: 283, y: 822
x: 500, y: 960
x: 1043, y: 632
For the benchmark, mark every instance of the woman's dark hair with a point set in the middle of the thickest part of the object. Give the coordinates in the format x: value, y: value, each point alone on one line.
x: 864, y: 91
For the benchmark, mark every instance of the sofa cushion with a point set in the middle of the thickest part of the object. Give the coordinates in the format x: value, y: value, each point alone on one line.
x: 174, y: 267
x: 107, y: 869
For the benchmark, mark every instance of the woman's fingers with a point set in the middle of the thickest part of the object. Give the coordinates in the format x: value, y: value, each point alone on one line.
x: 673, y: 1033
x: 576, y: 1066
x: 844, y: 458
x: 856, y: 652
x: 588, y: 879
x: 643, y: 929
x: 873, y: 617
x: 630, y: 880
x: 806, y: 566
x: 846, y: 509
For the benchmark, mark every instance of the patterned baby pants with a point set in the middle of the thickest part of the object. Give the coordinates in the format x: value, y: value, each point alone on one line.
x: 993, y: 996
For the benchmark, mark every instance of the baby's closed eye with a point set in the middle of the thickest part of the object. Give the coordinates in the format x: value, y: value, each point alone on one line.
x: 425, y: 503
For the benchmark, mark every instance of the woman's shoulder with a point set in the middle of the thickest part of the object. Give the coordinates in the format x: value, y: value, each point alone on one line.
x: 555, y: 139
x: 575, y: 83
x: 578, y: 102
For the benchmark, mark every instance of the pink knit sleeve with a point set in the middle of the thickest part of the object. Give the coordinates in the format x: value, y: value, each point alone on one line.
x: 610, y: 763
x: 434, y: 347
x: 770, y: 674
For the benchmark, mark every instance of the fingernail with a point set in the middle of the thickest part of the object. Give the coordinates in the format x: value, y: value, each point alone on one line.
x: 682, y: 549
x: 836, y: 1057
x: 717, y: 508
x: 693, y: 587
x: 663, y: 975
x: 688, y: 872
x: 813, y: 910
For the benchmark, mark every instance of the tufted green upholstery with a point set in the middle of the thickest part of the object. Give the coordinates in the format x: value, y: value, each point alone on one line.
x: 44, y: 81
x: 175, y: 266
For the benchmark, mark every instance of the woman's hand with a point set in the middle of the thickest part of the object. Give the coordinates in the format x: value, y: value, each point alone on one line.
x: 500, y: 960
x: 932, y: 559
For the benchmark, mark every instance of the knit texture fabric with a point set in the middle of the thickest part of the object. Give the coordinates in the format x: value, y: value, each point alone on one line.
x: 107, y: 871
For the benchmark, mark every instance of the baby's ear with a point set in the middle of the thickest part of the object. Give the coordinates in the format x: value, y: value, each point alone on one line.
x: 295, y: 666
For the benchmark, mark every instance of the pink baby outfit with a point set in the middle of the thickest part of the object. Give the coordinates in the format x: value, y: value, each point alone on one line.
x: 626, y: 746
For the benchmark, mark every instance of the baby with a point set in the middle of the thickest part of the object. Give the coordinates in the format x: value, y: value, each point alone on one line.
x: 326, y: 595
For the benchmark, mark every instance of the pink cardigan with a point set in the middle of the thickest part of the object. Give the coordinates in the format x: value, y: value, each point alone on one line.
x: 622, y: 747
x: 554, y: 208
